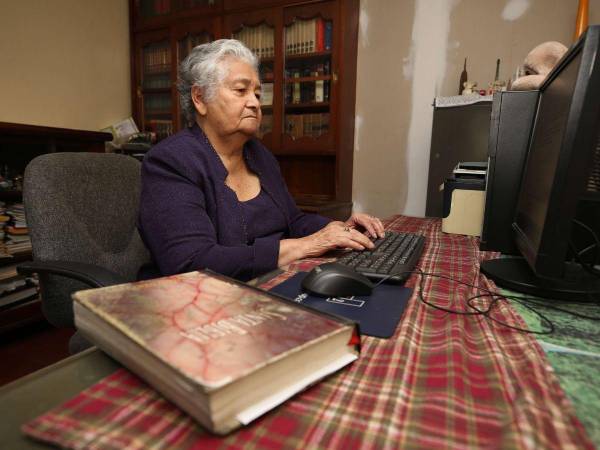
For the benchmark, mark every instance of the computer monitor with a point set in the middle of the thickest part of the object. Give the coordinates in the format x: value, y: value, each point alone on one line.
x: 560, y: 186
x: 513, y: 115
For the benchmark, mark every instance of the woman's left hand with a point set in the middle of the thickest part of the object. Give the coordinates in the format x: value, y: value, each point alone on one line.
x: 371, y: 224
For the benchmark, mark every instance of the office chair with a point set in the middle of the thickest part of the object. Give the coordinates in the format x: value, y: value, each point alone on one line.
x: 81, y: 210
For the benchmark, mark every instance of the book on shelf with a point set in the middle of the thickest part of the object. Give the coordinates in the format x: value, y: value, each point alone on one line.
x: 308, y: 36
x: 157, y: 59
x: 260, y: 40
x: 12, y: 284
x: 8, y: 271
x: 320, y: 35
x: 312, y: 125
x: 319, y: 91
x: 223, y: 351
x: 21, y: 295
x: 17, y: 230
x: 328, y: 36
x: 296, y: 94
x: 266, y: 97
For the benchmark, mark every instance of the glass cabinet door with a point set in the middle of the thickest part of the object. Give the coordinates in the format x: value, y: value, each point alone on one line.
x: 257, y: 30
x: 154, y: 88
x: 308, y: 80
x: 261, y: 40
x: 186, y: 41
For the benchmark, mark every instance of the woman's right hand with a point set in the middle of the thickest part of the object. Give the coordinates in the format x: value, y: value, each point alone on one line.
x: 333, y: 236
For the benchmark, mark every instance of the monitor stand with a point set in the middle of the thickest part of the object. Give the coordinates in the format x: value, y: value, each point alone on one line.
x: 514, y: 273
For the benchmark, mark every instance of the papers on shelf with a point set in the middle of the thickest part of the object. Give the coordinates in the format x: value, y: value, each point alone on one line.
x: 460, y: 100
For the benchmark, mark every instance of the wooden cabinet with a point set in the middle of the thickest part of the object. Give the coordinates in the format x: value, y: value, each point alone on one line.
x: 307, y: 52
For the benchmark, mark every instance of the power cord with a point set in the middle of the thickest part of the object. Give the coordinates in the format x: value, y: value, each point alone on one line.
x: 495, y: 297
x: 579, y: 254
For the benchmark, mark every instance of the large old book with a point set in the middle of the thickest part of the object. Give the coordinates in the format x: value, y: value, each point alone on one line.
x: 221, y: 350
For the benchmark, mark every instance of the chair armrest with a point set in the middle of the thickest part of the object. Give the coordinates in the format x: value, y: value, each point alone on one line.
x: 90, y: 274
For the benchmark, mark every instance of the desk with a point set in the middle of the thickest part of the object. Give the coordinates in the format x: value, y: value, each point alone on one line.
x: 441, y: 381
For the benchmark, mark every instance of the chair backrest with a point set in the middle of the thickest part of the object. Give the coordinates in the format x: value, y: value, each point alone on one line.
x: 82, y: 207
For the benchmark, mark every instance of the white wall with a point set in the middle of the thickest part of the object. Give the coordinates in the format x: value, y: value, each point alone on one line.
x: 413, y: 50
x: 64, y: 63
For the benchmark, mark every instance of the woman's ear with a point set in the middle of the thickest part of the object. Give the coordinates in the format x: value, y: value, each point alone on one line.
x: 198, y: 100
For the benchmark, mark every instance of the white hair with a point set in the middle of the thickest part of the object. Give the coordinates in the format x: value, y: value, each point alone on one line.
x: 204, y: 68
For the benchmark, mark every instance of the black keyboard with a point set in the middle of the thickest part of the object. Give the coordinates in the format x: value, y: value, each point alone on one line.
x: 394, y: 254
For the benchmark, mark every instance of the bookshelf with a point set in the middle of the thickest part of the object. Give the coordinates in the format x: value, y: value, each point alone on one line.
x: 20, y: 304
x: 307, y: 51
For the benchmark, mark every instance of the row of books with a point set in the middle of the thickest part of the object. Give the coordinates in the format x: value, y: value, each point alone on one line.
x: 14, y: 288
x: 14, y: 232
x: 157, y: 59
x: 156, y: 104
x: 303, y: 125
x: 308, y: 36
x: 162, y: 128
x: 157, y: 81
x: 307, y: 92
x: 317, y: 68
x: 261, y: 40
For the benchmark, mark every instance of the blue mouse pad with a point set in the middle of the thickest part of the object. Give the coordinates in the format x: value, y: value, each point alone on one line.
x: 377, y: 314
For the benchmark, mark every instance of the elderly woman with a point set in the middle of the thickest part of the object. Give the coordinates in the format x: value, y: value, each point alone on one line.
x: 213, y: 196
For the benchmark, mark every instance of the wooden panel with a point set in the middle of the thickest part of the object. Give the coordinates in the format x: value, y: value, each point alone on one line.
x: 20, y: 143
x: 35, y: 133
x: 173, y: 11
x: 459, y: 134
x: 230, y: 5
x: 309, y: 175
x: 347, y: 98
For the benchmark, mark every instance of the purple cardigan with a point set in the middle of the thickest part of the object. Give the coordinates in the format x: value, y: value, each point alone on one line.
x: 190, y: 220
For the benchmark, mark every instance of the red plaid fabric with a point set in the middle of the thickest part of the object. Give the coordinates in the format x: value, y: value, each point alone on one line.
x: 442, y: 381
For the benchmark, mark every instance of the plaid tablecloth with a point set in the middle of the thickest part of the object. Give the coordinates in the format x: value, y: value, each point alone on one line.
x: 442, y: 381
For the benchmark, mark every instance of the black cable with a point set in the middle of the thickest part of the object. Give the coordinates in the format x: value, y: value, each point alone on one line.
x: 525, y: 301
x: 496, y: 297
x: 594, y: 237
x: 586, y: 266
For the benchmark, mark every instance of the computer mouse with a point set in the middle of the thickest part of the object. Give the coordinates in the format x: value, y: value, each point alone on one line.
x: 336, y: 280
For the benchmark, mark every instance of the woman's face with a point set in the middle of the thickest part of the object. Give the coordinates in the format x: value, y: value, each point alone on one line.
x: 235, y: 109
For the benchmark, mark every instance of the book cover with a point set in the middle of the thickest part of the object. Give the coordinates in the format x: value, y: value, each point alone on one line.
x: 320, y: 35
x: 223, y: 351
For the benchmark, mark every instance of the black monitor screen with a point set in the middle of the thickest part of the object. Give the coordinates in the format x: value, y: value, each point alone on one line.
x: 547, y: 139
x: 554, y: 222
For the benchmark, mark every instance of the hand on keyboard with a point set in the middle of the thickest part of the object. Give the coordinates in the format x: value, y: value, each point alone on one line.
x: 335, y: 235
x: 372, y: 225
x: 393, y: 256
